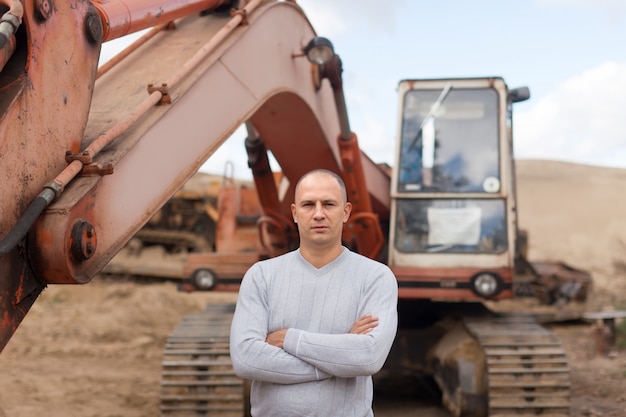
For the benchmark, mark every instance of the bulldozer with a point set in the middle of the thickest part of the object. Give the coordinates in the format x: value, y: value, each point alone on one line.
x: 90, y: 154
x: 210, y: 222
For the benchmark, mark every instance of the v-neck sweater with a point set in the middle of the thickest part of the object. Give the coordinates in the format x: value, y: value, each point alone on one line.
x: 322, y: 370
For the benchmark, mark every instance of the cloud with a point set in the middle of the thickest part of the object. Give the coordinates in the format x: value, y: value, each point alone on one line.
x: 596, y: 4
x: 613, y: 9
x: 579, y: 121
x: 331, y: 18
x: 114, y: 47
x: 373, y: 123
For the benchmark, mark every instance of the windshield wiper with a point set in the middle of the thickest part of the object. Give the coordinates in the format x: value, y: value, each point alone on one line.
x: 431, y: 113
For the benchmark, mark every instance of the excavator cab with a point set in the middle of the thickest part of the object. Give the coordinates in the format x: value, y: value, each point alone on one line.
x: 453, y: 247
x: 453, y: 208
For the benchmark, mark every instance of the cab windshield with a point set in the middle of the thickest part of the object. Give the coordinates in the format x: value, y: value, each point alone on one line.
x: 449, y: 142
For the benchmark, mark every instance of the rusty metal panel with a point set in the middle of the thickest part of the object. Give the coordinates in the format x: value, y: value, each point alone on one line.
x: 45, y: 94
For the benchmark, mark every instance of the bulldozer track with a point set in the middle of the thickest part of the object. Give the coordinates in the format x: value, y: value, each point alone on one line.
x: 527, y: 369
x: 198, y: 377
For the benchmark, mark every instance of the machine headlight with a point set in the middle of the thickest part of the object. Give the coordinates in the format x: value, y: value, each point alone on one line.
x: 204, y: 279
x: 319, y: 50
x: 486, y: 284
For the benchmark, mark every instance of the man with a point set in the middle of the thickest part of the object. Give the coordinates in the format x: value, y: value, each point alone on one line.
x: 313, y: 325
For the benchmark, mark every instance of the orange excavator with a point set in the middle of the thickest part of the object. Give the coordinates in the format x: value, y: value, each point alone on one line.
x: 90, y: 154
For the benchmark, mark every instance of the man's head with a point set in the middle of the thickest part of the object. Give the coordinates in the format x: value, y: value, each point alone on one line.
x: 320, y: 210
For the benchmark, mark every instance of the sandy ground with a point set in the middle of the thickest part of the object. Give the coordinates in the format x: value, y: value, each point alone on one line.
x: 95, y: 350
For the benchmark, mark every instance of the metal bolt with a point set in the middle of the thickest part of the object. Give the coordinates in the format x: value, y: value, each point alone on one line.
x: 44, y: 8
x: 93, y: 26
x: 83, y: 241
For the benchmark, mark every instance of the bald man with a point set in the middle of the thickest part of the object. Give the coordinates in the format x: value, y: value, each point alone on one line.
x: 312, y: 326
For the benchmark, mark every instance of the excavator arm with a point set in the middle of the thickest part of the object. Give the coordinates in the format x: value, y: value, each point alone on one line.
x: 110, y: 147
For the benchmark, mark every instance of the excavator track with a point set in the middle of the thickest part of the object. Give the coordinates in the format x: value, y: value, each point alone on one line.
x: 198, y: 378
x: 527, y: 369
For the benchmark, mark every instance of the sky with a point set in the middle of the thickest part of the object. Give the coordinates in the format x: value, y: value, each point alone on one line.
x: 570, y: 53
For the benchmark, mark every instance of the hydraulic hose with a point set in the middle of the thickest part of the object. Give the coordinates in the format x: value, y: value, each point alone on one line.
x: 9, y: 23
x: 34, y: 209
x: 11, y: 20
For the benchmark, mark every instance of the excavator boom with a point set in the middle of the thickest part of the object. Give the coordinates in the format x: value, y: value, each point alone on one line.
x: 117, y: 147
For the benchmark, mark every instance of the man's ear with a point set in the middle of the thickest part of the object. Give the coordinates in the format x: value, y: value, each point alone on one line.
x: 347, y: 209
x: 293, y: 213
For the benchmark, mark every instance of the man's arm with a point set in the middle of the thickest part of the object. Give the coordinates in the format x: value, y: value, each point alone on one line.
x: 363, y: 325
x: 350, y: 355
x: 254, y: 358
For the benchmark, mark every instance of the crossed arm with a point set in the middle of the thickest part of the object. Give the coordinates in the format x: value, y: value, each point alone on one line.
x: 363, y: 325
x: 289, y: 356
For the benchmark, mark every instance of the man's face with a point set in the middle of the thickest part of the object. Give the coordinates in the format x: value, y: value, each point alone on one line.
x: 319, y: 211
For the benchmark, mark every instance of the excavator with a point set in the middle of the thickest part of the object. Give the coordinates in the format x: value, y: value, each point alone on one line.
x: 91, y: 153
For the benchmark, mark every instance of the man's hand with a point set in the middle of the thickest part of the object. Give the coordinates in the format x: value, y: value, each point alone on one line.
x: 364, y: 324
x: 276, y: 338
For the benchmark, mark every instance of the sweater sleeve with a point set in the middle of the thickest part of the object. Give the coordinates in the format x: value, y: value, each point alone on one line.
x: 252, y: 357
x: 350, y: 355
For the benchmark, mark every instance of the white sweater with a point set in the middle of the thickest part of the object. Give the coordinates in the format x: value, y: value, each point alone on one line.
x: 321, y: 370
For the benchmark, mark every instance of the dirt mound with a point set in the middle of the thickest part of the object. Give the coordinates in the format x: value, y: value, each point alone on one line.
x: 575, y: 214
